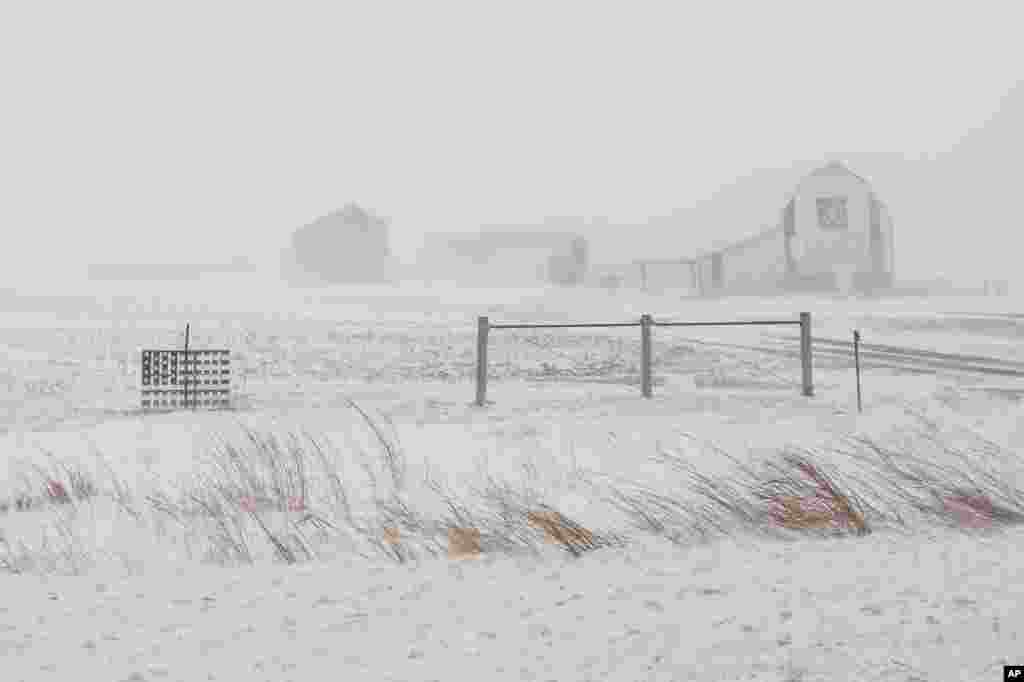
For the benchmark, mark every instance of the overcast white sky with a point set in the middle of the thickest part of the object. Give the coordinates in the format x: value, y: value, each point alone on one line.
x: 233, y: 123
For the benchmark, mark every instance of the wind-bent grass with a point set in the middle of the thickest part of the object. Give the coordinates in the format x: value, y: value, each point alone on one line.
x: 288, y: 499
x: 968, y: 494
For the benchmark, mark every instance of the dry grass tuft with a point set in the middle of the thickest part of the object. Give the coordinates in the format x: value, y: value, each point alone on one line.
x: 561, y: 530
x: 651, y: 512
x: 971, y: 511
x: 977, y: 511
x: 394, y: 546
x: 392, y: 535
x: 57, y: 493
x: 810, y: 499
x: 808, y: 513
x: 463, y: 542
x: 287, y: 500
x: 958, y: 480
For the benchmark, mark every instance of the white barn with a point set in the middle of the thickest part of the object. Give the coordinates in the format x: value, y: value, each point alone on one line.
x: 832, y: 233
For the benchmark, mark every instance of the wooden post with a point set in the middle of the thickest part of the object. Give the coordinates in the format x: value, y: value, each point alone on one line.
x: 185, y: 371
x: 856, y: 364
x: 645, y: 355
x: 805, y: 354
x: 483, y: 326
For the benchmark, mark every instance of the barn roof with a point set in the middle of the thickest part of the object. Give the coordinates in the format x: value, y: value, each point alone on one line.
x: 836, y: 169
x: 350, y: 214
x: 751, y: 208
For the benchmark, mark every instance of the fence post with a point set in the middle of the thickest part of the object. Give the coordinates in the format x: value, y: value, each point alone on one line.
x: 645, y: 355
x: 483, y: 326
x: 856, y: 364
x: 184, y: 374
x: 805, y: 354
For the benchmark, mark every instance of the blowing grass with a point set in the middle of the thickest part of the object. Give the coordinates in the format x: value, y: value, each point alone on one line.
x: 290, y: 499
x: 957, y: 480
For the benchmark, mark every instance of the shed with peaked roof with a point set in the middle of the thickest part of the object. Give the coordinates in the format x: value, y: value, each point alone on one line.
x: 348, y: 245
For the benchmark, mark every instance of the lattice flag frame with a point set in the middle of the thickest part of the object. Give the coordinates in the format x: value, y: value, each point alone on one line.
x: 173, y: 379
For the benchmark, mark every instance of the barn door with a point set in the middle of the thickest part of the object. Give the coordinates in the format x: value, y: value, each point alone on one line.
x: 789, y: 231
x: 876, y: 241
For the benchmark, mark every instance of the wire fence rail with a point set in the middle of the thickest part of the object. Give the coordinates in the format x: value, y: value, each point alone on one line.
x: 899, y: 357
x: 646, y: 324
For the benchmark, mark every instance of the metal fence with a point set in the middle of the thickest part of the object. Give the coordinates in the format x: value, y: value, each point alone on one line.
x: 646, y: 323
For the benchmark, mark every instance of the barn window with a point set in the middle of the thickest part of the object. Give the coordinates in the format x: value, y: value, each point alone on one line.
x: 832, y: 214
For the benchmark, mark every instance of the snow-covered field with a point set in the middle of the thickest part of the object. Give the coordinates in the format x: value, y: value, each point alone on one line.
x: 357, y: 517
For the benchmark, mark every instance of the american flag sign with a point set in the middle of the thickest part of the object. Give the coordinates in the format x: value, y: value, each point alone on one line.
x: 174, y: 379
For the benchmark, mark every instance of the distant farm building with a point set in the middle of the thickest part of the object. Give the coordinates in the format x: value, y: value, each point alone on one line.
x: 505, y: 257
x: 346, y: 246
x: 138, y: 272
x: 833, y: 233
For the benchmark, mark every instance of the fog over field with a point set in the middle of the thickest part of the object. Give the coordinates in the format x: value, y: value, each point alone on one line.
x: 406, y: 485
x: 677, y: 126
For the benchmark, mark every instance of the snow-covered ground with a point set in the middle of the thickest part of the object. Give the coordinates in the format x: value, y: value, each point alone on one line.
x: 169, y: 560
